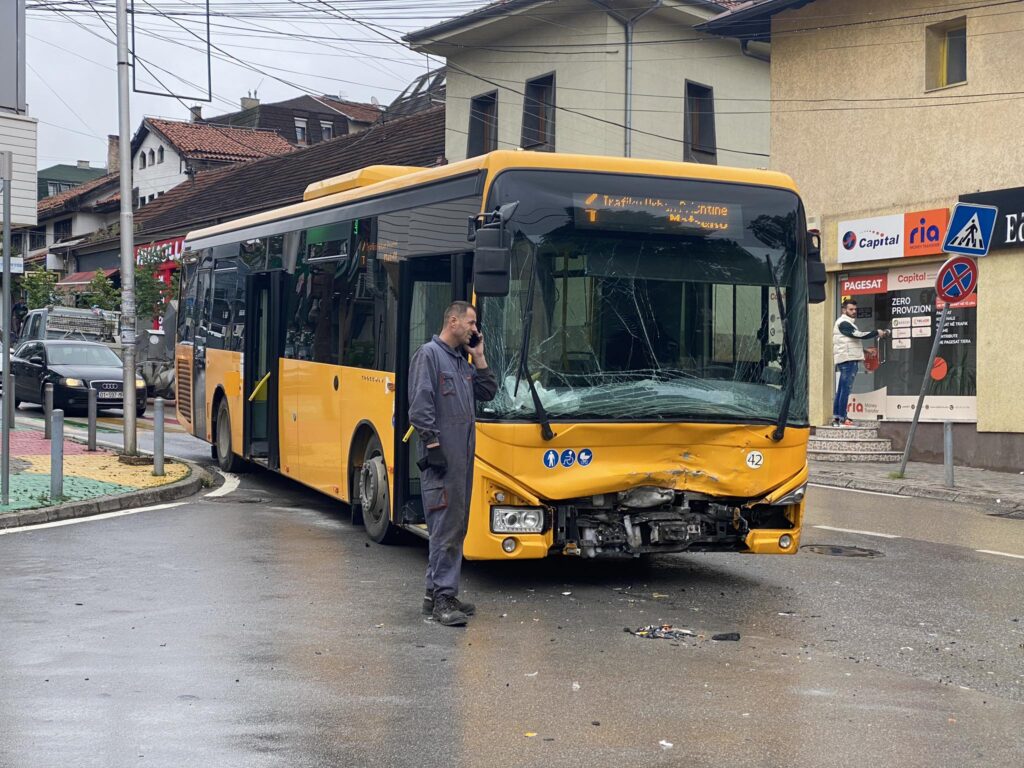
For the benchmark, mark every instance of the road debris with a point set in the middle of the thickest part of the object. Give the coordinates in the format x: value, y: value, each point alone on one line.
x: 726, y: 636
x: 661, y: 632
x: 666, y: 744
x: 575, y: 686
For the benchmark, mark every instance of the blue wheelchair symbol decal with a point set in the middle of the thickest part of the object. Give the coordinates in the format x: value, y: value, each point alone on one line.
x: 585, y: 457
x: 551, y: 459
x: 568, y: 457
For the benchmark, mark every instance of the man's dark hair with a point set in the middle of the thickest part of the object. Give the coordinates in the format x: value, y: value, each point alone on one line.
x: 848, y: 302
x: 457, y: 309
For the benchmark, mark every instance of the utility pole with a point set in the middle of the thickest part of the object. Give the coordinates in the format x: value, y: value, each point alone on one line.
x: 127, y: 232
x: 6, y: 175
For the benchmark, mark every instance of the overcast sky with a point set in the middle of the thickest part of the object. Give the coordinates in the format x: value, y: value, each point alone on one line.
x: 279, y: 49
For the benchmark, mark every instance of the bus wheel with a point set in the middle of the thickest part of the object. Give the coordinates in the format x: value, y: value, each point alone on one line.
x: 374, y: 497
x: 226, y: 458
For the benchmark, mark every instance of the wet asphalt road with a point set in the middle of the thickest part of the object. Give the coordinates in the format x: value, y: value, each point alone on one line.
x: 261, y: 629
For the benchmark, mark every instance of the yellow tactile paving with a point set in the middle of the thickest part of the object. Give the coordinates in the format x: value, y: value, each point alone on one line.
x: 106, y: 468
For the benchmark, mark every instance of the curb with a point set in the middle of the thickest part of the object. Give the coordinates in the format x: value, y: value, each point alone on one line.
x: 961, y: 495
x: 180, y: 489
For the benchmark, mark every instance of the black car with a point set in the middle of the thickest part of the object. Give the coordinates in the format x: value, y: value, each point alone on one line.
x: 73, y: 367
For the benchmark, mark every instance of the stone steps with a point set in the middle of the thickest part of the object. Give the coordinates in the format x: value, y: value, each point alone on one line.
x: 848, y: 444
x: 855, y: 457
x: 856, y: 444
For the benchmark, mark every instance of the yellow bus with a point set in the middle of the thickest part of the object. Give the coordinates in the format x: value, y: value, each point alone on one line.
x: 646, y: 320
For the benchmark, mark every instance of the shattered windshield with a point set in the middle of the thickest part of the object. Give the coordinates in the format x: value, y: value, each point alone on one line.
x: 652, y: 299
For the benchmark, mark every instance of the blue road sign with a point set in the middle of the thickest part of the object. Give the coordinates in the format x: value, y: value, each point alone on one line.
x: 957, y: 279
x: 568, y: 457
x: 551, y: 458
x: 585, y: 457
x: 970, y: 229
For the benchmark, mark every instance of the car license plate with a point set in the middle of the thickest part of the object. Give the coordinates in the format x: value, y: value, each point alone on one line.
x: 108, y: 395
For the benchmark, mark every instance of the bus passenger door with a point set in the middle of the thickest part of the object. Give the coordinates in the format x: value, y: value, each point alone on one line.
x: 427, y: 290
x: 264, y: 295
x: 202, y: 332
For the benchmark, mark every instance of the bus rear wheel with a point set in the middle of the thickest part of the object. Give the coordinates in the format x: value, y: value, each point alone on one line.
x: 374, y: 497
x: 222, y: 448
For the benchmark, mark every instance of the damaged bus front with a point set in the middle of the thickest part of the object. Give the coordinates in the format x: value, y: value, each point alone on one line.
x: 651, y: 351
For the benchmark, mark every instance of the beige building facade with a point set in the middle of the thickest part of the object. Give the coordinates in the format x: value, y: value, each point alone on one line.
x: 500, y: 62
x: 887, y: 115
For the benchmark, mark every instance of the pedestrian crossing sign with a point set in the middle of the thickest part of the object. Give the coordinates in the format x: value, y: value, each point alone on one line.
x: 970, y: 229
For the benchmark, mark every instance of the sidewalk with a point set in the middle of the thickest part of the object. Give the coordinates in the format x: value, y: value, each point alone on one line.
x: 996, y: 493
x: 94, y: 482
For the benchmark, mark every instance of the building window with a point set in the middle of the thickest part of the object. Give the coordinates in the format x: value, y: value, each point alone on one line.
x: 327, y: 131
x: 152, y: 157
x: 946, y: 53
x: 300, y: 130
x: 483, y: 124
x: 539, y: 114
x: 61, y: 230
x: 699, y: 144
x: 142, y: 161
x: 56, y: 187
x: 37, y: 238
x: 160, y: 155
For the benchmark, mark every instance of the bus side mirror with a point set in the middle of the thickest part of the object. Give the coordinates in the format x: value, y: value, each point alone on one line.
x: 815, y: 269
x: 491, y: 262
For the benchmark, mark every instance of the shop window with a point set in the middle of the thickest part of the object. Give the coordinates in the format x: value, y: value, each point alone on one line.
x: 483, y: 124
x: 539, y: 114
x: 699, y: 125
x: 946, y: 53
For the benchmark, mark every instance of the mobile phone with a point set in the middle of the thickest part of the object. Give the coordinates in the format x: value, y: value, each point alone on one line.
x: 474, y: 339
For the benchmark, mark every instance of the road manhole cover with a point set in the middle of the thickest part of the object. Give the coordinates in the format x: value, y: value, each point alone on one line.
x: 837, y: 551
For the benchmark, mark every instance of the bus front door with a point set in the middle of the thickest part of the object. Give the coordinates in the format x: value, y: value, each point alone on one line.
x: 427, y: 290
x: 264, y: 295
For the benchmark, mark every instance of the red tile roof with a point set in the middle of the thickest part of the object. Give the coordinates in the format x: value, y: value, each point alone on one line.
x: 354, y: 110
x: 53, y: 204
x: 84, y: 278
x: 203, y: 141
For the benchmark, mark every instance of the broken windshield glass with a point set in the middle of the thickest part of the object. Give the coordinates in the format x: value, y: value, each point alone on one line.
x: 649, y: 319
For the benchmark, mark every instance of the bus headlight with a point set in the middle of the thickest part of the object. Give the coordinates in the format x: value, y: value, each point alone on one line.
x: 517, y: 519
x: 793, y: 497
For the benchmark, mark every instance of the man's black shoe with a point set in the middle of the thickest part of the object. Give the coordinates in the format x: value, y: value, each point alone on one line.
x: 446, y: 611
x: 428, y: 605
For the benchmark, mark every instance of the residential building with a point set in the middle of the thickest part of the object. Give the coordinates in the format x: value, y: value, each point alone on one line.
x: 167, y: 152
x: 607, y: 77
x: 304, y: 120
x: 219, y: 195
x: 887, y: 115
x: 61, y: 178
x: 18, y: 131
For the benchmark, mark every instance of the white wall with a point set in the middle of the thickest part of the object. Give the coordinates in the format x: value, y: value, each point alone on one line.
x: 154, y: 179
x: 18, y: 135
x: 592, y: 85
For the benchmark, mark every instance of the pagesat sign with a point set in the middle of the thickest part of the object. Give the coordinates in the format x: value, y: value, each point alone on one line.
x: 860, y: 285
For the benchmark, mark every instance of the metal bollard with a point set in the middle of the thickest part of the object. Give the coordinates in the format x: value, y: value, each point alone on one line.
x: 92, y: 420
x: 11, y: 407
x: 158, y: 437
x: 47, y: 410
x: 57, y: 456
x: 947, y: 451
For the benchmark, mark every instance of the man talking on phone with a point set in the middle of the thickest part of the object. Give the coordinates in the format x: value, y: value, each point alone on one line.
x: 443, y: 390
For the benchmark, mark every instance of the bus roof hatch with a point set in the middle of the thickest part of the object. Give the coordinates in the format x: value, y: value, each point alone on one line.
x: 364, y: 177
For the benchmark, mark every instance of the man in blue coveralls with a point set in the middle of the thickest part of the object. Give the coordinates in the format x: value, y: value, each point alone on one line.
x: 443, y: 390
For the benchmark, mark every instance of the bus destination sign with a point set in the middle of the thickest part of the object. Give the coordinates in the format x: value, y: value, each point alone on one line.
x: 640, y: 213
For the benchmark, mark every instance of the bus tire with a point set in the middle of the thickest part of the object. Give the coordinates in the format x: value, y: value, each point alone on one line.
x: 374, y: 498
x: 222, y: 448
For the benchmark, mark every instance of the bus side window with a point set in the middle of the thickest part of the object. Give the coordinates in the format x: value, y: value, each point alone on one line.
x: 253, y: 253
x: 222, y: 312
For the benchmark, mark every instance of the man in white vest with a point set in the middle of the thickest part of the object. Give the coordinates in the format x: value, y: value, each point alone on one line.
x: 848, y: 352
